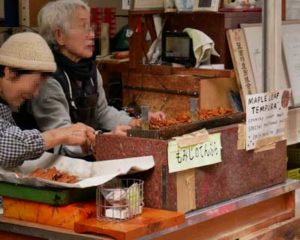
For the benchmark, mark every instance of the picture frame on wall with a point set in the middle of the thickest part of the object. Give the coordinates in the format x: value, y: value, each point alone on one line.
x: 207, y: 5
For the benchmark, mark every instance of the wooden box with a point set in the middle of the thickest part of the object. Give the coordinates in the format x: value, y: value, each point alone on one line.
x: 240, y: 172
x: 169, y: 89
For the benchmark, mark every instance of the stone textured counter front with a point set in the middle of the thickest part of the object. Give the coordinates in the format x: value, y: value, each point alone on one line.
x: 239, y: 173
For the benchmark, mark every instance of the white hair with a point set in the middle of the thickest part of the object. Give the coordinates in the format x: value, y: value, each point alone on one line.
x: 57, y: 15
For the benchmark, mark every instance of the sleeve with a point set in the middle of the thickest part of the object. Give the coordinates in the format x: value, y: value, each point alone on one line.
x: 108, y: 117
x: 17, y: 145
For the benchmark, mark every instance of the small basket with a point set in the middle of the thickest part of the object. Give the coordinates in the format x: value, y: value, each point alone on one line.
x: 120, y: 199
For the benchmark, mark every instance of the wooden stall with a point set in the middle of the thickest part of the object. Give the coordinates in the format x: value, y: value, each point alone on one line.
x: 244, y: 196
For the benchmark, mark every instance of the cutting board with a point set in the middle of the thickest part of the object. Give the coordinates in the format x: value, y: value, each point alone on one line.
x: 52, y: 196
x: 150, y: 221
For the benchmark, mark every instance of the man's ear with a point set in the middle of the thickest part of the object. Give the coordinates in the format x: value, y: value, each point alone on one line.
x: 59, y: 36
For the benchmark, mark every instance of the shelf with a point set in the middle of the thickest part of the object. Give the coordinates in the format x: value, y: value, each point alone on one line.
x: 146, y: 12
x: 218, y: 210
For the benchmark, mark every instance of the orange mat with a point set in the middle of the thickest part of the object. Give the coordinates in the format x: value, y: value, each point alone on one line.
x: 61, y: 216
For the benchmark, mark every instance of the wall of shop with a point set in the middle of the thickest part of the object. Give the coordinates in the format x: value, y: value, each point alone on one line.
x: 293, y: 9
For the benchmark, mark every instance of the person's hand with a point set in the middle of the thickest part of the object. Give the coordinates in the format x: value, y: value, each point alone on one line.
x: 89, y: 145
x: 159, y: 115
x: 77, y: 134
x: 120, y: 130
x: 135, y: 122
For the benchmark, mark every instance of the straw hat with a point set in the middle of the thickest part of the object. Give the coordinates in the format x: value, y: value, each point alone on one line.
x: 28, y: 51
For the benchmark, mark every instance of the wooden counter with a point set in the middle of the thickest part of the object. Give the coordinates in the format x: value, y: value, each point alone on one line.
x: 260, y: 215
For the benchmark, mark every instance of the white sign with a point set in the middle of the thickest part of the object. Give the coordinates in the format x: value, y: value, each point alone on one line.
x: 266, y: 115
x: 183, y: 158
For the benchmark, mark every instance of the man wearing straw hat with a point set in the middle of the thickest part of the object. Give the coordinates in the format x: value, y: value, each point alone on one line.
x: 25, y: 60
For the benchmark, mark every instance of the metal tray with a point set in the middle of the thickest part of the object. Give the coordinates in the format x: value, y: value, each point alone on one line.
x: 168, y: 132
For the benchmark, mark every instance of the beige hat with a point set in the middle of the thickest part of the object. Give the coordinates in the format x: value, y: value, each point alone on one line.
x: 28, y: 51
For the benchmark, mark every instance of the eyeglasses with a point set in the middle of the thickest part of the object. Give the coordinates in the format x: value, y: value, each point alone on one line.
x: 86, y: 28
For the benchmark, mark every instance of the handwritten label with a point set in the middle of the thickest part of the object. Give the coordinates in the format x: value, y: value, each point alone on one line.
x: 241, y: 61
x: 198, y: 155
x: 266, y: 115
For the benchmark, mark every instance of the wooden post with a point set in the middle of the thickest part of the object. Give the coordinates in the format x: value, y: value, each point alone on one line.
x: 283, y: 10
x: 272, y: 44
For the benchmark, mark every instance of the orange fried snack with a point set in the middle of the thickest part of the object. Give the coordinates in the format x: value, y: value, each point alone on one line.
x: 181, y: 118
x: 184, y: 117
x: 210, y: 113
x: 54, y: 175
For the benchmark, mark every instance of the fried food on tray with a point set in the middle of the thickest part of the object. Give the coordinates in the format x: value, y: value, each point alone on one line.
x: 54, y: 175
x: 210, y: 113
x: 181, y: 118
x: 185, y: 117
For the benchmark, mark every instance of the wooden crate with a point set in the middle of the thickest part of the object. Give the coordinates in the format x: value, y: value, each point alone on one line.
x: 169, y: 89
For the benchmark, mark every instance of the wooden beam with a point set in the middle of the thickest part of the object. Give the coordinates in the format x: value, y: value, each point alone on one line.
x: 283, y: 10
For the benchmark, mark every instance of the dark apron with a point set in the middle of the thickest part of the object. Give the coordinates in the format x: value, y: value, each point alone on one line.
x: 84, y: 110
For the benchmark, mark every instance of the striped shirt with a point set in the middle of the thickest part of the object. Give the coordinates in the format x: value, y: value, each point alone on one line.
x: 17, y: 145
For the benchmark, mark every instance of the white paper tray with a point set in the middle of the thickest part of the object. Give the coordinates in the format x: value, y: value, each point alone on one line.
x: 90, y: 173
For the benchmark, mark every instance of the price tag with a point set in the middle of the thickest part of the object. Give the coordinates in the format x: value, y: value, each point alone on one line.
x: 198, y: 155
x: 266, y: 116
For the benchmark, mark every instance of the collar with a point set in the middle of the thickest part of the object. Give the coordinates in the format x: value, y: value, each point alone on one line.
x: 3, y: 101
